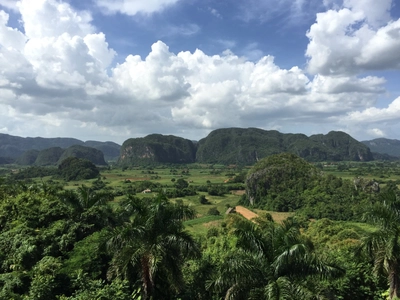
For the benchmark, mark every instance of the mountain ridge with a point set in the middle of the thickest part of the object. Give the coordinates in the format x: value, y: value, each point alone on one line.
x: 225, y: 145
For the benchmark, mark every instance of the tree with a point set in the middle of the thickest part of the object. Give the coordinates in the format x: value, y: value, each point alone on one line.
x: 152, y: 246
x: 181, y: 184
x: 278, y: 258
x: 73, y: 168
x: 383, y: 244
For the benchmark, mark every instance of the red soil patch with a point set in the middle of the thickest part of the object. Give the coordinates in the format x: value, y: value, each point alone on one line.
x: 248, y: 214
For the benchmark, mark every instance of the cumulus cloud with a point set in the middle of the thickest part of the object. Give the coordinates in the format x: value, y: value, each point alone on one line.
x: 10, y: 4
x: 376, y: 132
x: 60, y: 77
x: 133, y: 7
x: 358, y: 37
x: 375, y: 115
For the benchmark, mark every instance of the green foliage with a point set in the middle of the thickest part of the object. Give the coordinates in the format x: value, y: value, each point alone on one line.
x: 213, y: 211
x: 28, y: 158
x: 81, y: 243
x: 384, y: 243
x: 73, y: 168
x: 34, y: 172
x: 157, y: 148
x: 278, y: 174
x: 151, y: 246
x: 49, y: 156
x: 181, y: 184
x: 285, y: 182
x: 246, y: 146
x: 91, y: 154
x: 203, y: 200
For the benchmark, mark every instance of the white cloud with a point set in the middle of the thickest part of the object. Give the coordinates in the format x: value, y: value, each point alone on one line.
x: 9, y: 4
x: 376, y: 115
x: 376, y: 132
x: 377, y: 13
x: 133, y: 7
x: 215, y: 12
x: 353, y: 39
x: 183, y: 30
x: 60, y: 77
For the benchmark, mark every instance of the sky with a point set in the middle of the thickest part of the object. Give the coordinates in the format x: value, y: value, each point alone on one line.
x: 112, y: 70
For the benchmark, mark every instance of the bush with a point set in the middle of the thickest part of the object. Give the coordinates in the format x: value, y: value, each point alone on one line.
x: 203, y: 200
x: 213, y: 211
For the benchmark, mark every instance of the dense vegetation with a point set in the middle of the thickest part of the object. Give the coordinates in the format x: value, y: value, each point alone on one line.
x: 286, y: 182
x: 48, y: 157
x: 237, y: 146
x: 157, y: 148
x: 110, y: 150
x: 14, y: 146
x: 88, y: 153
x: 246, y: 146
x: 73, y: 168
x: 100, y: 240
x: 58, y: 244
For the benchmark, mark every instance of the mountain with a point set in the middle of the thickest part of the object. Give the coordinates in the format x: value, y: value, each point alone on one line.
x: 12, y: 147
x: 341, y: 146
x: 384, y: 146
x: 246, y: 146
x: 28, y: 158
x: 48, y: 157
x: 157, y: 148
x: 110, y: 150
x: 93, y: 155
x: 243, y: 146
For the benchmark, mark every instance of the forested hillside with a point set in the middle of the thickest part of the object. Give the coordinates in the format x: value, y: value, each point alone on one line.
x: 14, y: 147
x: 238, y: 146
x: 246, y: 146
x: 384, y: 146
x: 91, y: 154
x: 157, y: 148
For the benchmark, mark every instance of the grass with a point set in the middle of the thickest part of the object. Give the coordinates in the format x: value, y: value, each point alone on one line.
x: 198, y: 175
x: 200, y: 226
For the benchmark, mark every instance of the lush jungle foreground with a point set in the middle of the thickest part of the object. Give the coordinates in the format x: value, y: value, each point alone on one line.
x: 108, y: 241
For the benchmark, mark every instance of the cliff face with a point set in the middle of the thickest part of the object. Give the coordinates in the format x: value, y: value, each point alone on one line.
x: 384, y: 146
x: 247, y: 146
x: 157, y: 148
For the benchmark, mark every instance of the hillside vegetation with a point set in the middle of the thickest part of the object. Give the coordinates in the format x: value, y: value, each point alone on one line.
x: 286, y: 182
x: 107, y: 239
x: 91, y: 154
x: 229, y: 146
x: 157, y: 148
x: 14, y: 146
x: 386, y: 146
x: 247, y: 146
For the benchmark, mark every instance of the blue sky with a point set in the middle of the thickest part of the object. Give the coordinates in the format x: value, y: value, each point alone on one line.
x: 111, y: 70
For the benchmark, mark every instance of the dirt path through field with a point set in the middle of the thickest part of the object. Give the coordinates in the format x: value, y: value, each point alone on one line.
x: 248, y: 214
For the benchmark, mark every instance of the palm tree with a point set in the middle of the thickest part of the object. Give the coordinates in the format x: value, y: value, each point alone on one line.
x: 383, y: 244
x: 84, y: 198
x: 278, y: 258
x: 89, y: 209
x: 151, y: 246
